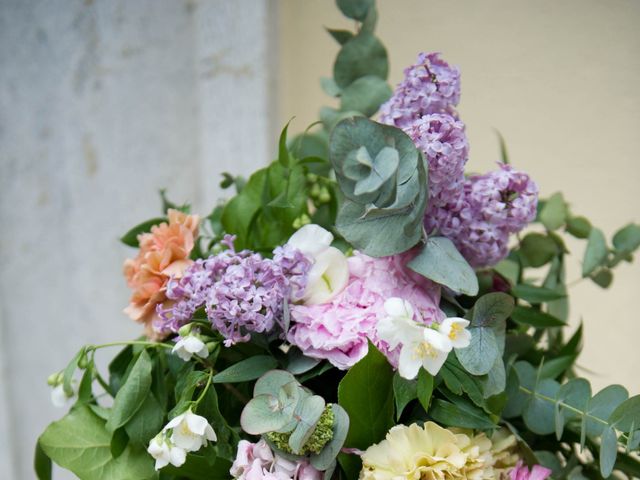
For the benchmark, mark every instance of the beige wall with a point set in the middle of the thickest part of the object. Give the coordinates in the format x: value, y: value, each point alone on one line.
x: 561, y: 81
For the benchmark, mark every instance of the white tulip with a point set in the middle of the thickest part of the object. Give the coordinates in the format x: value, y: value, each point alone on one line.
x: 190, y: 431
x: 456, y: 330
x: 329, y: 273
x: 188, y: 346
x: 328, y: 276
x: 164, y: 452
x: 311, y: 239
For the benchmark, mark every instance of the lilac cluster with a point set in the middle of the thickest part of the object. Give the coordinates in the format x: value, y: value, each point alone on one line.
x: 242, y: 292
x: 478, y: 214
x: 442, y: 139
x: 429, y: 86
x: 491, y: 207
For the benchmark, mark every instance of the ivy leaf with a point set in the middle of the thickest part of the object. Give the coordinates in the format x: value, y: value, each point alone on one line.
x: 441, y: 262
x: 596, y: 252
x: 80, y: 443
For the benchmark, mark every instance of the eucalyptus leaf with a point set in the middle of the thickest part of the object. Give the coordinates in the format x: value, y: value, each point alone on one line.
x: 441, y: 262
x: 537, y: 249
x: 362, y: 55
x: 608, y: 451
x: 479, y: 357
x: 365, y: 95
x: 627, y: 239
x: 356, y: 9
x: 596, y: 252
x: 554, y: 212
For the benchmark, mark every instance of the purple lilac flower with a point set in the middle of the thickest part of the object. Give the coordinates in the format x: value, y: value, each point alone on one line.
x: 429, y: 86
x: 444, y: 143
x: 490, y: 207
x: 242, y: 292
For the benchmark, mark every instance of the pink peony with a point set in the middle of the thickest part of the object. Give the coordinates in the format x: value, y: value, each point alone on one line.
x: 521, y: 472
x: 338, y: 331
x: 256, y: 461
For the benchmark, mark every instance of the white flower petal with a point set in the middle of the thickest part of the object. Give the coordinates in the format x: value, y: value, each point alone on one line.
x: 311, y: 239
x: 433, y: 363
x: 437, y: 340
x: 193, y: 344
x: 177, y: 456
x: 174, y: 422
x: 58, y: 397
x: 455, y: 329
x: 328, y: 276
x: 409, y: 363
x: 398, y: 307
x: 196, y: 423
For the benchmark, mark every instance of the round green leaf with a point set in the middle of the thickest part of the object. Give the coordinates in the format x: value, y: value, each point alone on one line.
x: 361, y: 56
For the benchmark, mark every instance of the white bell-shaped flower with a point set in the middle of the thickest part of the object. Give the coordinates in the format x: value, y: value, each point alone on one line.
x: 188, y: 346
x: 164, y: 452
x: 190, y: 431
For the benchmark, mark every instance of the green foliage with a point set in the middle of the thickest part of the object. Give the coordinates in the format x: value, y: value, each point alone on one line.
x: 404, y: 391
x: 366, y: 394
x: 131, y: 237
x: 80, y: 442
x: 248, y: 369
x: 382, y: 179
x: 554, y: 212
x: 441, y: 262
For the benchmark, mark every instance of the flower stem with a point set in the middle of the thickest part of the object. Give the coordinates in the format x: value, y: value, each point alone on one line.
x: 135, y: 342
x: 205, y: 389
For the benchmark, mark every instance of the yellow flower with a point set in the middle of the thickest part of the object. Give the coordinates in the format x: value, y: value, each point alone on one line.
x: 435, y: 453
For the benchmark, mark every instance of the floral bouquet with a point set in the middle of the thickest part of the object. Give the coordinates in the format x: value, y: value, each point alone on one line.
x: 359, y: 308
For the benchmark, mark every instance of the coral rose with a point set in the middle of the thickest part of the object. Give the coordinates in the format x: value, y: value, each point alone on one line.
x: 164, y: 253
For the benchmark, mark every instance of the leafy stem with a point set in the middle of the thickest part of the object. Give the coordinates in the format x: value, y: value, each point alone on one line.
x: 197, y: 401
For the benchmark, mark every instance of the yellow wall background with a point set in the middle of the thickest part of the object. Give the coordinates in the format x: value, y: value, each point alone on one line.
x: 559, y: 79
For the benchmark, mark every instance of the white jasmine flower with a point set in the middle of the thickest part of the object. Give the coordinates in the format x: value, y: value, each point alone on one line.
x: 190, y: 431
x: 398, y: 325
x: 59, y: 397
x: 164, y: 452
x: 329, y: 272
x: 428, y: 350
x: 188, y: 346
x: 456, y: 330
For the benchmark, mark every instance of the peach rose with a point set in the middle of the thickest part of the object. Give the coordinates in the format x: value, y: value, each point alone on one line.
x: 164, y: 252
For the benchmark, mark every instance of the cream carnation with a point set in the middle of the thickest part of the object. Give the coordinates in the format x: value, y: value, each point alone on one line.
x: 434, y: 453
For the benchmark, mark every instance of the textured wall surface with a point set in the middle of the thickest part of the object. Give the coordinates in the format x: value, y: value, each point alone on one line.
x: 559, y: 79
x: 101, y: 103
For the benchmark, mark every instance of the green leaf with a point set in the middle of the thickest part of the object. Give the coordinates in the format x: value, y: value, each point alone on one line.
x: 365, y: 95
x: 356, y: 9
x: 602, y: 277
x: 366, y: 394
x: 326, y: 458
x: 557, y: 366
x: 361, y: 56
x: 536, y: 295
x: 246, y: 370
x: 119, y: 441
x: 627, y: 239
x: 539, y: 413
x: 509, y: 269
x: 608, y: 451
x: 579, y: 227
x: 199, y: 467
x: 80, y: 443
x: 626, y: 413
x: 424, y: 388
x: 458, y: 380
x: 441, y: 262
x: 554, y: 212
x: 131, y: 237
x: 479, y: 357
x: 403, y: 391
x: 283, y: 151
x: 329, y: 86
x: 70, y: 369
x: 495, y: 381
x: 491, y: 309
x: 535, y: 318
x: 504, y: 154
x: 340, y: 36
x: 596, y: 253
x: 602, y: 406
x: 537, y: 249
x: 146, y: 423
x: 132, y: 394
x: 118, y: 368
x: 460, y: 414
x: 41, y: 463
